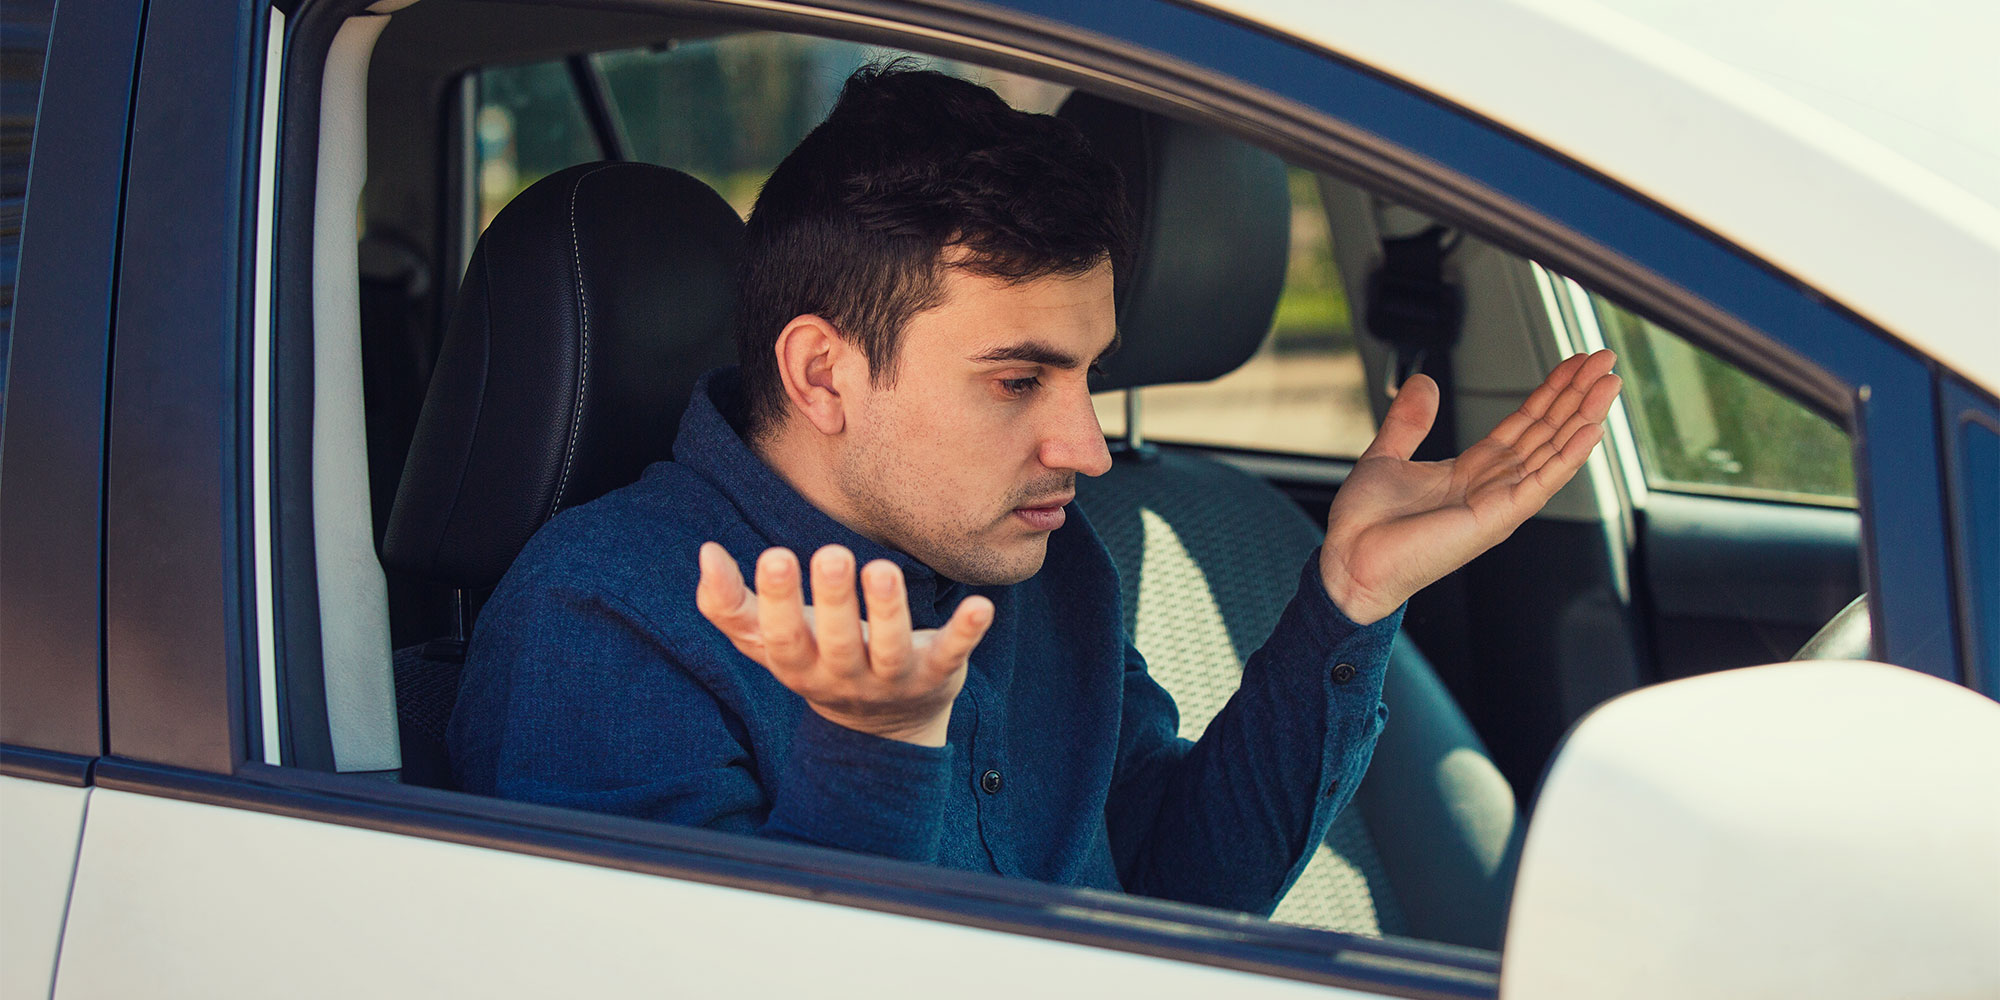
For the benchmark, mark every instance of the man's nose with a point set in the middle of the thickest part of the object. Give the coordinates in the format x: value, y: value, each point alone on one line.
x: 1076, y: 441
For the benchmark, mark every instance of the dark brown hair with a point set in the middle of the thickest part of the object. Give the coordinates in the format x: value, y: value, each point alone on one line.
x: 854, y: 225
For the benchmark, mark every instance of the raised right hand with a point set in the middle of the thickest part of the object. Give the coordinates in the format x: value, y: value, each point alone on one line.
x: 877, y: 677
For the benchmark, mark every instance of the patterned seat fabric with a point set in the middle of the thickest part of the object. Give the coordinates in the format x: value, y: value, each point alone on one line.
x: 1201, y: 593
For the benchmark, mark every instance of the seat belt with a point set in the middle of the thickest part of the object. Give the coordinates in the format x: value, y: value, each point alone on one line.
x: 1413, y: 308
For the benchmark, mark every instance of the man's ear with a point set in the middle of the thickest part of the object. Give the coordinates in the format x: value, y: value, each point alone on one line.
x: 811, y: 356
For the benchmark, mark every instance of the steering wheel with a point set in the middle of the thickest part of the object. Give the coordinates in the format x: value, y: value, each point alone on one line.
x: 1845, y: 636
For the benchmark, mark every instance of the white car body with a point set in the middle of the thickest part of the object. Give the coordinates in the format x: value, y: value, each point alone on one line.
x: 111, y: 892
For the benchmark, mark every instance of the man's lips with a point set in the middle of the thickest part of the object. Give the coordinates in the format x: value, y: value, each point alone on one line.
x: 1047, y: 515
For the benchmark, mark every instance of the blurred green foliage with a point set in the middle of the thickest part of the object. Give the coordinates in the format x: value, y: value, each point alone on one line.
x: 727, y: 110
x: 1312, y: 311
x: 1706, y: 426
x: 529, y: 125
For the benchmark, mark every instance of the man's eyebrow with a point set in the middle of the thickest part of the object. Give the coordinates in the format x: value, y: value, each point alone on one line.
x: 1035, y: 352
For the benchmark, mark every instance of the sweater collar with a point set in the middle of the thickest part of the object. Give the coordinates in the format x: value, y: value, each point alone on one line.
x: 710, y: 445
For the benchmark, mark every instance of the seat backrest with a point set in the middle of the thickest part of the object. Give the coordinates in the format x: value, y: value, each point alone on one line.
x: 1208, y: 555
x: 591, y: 305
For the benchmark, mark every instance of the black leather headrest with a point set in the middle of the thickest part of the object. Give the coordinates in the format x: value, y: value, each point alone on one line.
x: 591, y: 305
x: 1212, y: 221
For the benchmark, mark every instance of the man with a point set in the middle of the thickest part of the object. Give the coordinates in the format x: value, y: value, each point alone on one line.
x: 928, y: 279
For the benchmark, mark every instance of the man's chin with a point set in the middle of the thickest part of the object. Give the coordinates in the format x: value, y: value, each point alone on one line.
x: 1000, y: 566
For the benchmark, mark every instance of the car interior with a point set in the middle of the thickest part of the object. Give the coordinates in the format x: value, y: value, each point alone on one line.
x: 478, y: 368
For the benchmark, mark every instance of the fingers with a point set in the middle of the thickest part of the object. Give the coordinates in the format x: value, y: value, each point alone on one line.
x: 1567, y: 402
x: 1550, y: 468
x: 1562, y: 396
x: 1553, y: 402
x: 968, y: 624
x: 1408, y: 420
x: 836, y: 611
x: 1597, y: 403
x: 781, y: 619
x: 1577, y: 448
x: 827, y: 641
x: 1593, y: 409
x: 1538, y: 401
x: 888, y: 617
x: 721, y: 596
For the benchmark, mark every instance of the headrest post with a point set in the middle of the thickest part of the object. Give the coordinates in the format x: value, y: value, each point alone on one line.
x: 458, y: 614
x: 1135, y: 439
x: 1133, y: 447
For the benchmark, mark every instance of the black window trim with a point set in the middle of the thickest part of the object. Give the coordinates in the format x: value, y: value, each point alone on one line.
x: 52, y: 766
x: 58, y: 393
x: 176, y: 525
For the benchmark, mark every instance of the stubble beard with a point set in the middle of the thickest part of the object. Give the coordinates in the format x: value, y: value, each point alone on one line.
x: 881, y: 490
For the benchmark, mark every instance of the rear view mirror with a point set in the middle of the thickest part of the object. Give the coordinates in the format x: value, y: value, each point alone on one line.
x: 1824, y: 829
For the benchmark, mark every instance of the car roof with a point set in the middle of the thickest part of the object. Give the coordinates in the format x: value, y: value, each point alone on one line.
x: 1907, y: 236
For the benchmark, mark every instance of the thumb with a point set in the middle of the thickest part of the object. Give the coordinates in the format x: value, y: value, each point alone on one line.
x: 1409, y: 419
x: 721, y: 596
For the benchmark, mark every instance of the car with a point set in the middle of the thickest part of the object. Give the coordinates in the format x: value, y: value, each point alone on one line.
x: 229, y: 640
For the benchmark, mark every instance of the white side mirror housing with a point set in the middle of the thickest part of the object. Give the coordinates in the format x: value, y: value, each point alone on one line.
x: 1827, y: 830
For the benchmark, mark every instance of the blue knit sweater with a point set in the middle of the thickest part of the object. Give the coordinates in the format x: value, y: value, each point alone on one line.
x: 592, y: 682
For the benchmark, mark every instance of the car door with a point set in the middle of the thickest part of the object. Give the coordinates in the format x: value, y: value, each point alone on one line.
x: 213, y: 863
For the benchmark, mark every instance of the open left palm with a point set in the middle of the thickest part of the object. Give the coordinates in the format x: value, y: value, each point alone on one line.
x: 1396, y: 526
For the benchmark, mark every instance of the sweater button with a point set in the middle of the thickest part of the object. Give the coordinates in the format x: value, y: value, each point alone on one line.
x: 1342, y: 673
x: 990, y: 782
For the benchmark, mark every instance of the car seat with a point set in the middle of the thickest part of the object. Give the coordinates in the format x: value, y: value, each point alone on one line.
x: 1208, y: 555
x: 591, y: 305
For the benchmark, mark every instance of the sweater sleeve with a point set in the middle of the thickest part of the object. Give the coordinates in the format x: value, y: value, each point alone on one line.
x: 1231, y: 820
x: 573, y: 698
x: 843, y: 788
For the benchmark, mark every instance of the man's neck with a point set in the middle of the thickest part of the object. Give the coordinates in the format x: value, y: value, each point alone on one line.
x: 805, y: 460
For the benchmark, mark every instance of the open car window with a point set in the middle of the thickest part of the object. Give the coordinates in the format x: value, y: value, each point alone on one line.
x: 726, y: 107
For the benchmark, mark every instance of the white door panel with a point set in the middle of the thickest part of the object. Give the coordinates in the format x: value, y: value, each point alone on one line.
x: 40, y: 825
x: 175, y: 899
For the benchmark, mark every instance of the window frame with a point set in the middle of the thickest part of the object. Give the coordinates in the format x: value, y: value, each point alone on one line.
x: 195, y: 746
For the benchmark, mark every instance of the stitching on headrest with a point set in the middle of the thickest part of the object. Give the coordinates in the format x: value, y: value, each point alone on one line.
x: 583, y: 363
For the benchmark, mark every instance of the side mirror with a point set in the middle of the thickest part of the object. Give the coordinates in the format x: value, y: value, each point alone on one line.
x: 1824, y: 829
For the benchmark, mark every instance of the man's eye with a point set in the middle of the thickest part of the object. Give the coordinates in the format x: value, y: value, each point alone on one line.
x: 1019, y: 386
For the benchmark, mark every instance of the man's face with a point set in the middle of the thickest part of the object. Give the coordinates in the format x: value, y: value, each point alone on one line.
x: 965, y: 462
